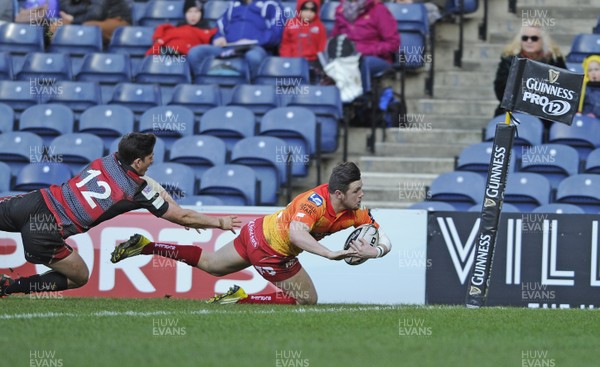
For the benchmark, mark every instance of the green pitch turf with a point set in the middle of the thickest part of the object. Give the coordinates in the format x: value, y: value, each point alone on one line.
x: 172, y: 332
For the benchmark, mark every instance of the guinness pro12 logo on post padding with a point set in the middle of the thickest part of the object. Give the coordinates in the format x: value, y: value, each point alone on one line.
x: 542, y: 90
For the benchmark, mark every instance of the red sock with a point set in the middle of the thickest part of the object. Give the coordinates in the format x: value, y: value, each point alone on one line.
x: 279, y: 298
x: 188, y: 254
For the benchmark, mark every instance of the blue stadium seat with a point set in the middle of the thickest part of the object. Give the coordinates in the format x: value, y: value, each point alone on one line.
x: 285, y: 73
x: 460, y: 189
x: 262, y: 153
x: 433, y: 206
x: 476, y: 158
x: 582, y: 190
x: 506, y: 208
x: 18, y: 148
x: 178, y: 179
x: 413, y: 26
x: 158, y: 12
x: 227, y: 73
x: 6, y: 66
x: 596, y: 29
x: 5, y: 178
x: 19, y: 95
x: 553, y: 161
x: 105, y: 69
x: 39, y: 175
x: 298, y: 127
x: 199, y: 152
x: 164, y: 70
x: 232, y: 183
x: 527, y: 191
x: 327, y: 14
x: 583, y: 135
x: 76, y: 150
x: 47, y: 120
x: 77, y: 41
x: 45, y: 68
x: 529, y: 132
x: 19, y: 39
x: 213, y: 10
x: 258, y: 98
x: 78, y: 96
x: 137, y: 97
x: 582, y: 46
x: 132, y: 40
x: 198, y: 98
x: 7, y: 122
x: 200, y: 200
x: 230, y: 123
x: 160, y: 151
x: 109, y: 122
x: 168, y: 122
x: 575, y: 67
x: 325, y: 102
x: 559, y: 209
x: 469, y: 6
x: 592, y: 163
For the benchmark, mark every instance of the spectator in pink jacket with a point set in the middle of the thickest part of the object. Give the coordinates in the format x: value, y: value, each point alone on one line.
x: 372, y: 28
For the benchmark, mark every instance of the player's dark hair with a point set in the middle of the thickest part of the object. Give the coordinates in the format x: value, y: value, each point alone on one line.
x: 342, y: 176
x: 136, y: 145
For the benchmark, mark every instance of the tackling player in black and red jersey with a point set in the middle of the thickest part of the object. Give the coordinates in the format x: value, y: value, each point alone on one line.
x: 107, y: 187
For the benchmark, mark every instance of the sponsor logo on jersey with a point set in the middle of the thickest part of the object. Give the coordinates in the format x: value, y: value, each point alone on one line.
x: 315, y: 198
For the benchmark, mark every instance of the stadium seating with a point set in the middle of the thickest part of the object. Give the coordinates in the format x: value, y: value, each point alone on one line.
x: 77, y: 41
x: 227, y: 73
x: 164, y: 70
x: 5, y: 178
x: 582, y: 190
x: 469, y: 6
x: 178, y: 179
x: 18, y: 148
x: 433, y: 206
x: 325, y: 102
x: 553, y: 161
x: 529, y: 132
x: 583, y: 135
x: 200, y: 200
x: 198, y: 98
x: 109, y: 122
x: 137, y: 97
x: 107, y: 69
x: 460, y: 189
x: 199, y: 152
x: 262, y: 153
x: 412, y: 24
x: 527, y: 191
x: 6, y: 66
x: 47, y: 121
x: 582, y: 46
x: 158, y: 12
x: 476, y: 158
x: 327, y: 14
x: 159, y: 149
x: 168, y: 122
x: 7, y: 122
x: 559, y: 209
x: 132, y: 40
x: 232, y: 183
x: 297, y: 126
x: 285, y: 73
x: 75, y: 150
x: 19, y: 95
x: 45, y: 68
x: 19, y: 39
x: 592, y: 163
x: 258, y: 98
x: 78, y: 96
x: 35, y: 176
x: 230, y: 123
x: 213, y: 10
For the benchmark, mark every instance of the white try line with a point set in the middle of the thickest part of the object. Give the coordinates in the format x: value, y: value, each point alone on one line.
x: 48, y: 315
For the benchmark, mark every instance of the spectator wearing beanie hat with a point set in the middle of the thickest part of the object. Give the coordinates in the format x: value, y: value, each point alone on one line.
x: 178, y: 40
x: 304, y: 35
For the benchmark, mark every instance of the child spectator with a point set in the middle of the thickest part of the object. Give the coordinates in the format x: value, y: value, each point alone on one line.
x: 178, y: 40
x: 304, y: 35
x: 590, y: 99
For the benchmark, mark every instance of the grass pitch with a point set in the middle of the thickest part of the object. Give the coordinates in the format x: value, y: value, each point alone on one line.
x: 174, y: 332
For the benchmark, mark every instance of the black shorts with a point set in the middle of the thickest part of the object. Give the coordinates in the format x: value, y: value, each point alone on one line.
x: 40, y: 232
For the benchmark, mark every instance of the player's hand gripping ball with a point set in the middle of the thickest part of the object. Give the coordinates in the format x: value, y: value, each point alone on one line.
x: 367, y: 231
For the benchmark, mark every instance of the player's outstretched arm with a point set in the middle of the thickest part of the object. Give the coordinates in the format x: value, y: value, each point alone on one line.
x: 300, y: 236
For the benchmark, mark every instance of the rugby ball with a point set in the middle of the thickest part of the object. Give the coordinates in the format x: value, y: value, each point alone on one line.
x: 367, y: 231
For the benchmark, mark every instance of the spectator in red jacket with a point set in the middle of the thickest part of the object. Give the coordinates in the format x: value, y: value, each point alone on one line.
x: 372, y: 28
x: 304, y: 35
x: 177, y: 40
